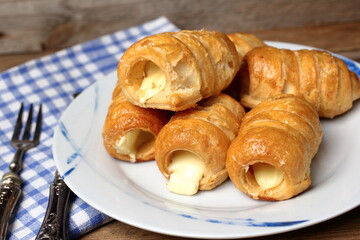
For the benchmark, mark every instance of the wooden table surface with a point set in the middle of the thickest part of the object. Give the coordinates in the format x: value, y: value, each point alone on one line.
x: 33, y: 28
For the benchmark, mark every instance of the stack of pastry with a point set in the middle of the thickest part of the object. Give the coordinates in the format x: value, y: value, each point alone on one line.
x: 183, y: 74
x: 168, y: 71
x: 176, y: 71
x: 129, y: 131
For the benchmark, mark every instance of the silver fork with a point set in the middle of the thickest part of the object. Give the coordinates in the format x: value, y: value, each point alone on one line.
x: 54, y: 223
x: 10, y: 189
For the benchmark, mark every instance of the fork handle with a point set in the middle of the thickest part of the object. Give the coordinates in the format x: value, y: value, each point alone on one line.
x: 10, y: 191
x: 54, y: 224
x: 16, y: 163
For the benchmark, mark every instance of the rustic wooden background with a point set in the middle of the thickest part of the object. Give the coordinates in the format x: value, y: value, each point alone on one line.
x: 33, y: 28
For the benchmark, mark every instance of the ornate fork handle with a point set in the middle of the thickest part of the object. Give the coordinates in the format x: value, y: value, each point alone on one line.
x: 54, y: 224
x: 10, y: 192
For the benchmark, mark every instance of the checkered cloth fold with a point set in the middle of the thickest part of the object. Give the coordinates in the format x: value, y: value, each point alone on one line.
x: 52, y: 80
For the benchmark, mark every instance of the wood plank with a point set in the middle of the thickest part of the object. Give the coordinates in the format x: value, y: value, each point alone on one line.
x: 343, y: 39
x: 8, y: 61
x: 34, y: 25
x: 354, y: 55
x: 336, y: 37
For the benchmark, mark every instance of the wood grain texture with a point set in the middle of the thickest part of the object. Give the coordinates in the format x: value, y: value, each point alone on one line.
x: 336, y: 37
x: 35, y: 25
x: 343, y: 39
x: 8, y: 61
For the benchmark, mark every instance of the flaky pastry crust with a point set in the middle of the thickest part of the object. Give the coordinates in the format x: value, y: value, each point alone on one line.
x: 122, y: 117
x: 206, y: 131
x: 319, y: 77
x: 244, y: 42
x: 283, y: 132
x: 196, y: 64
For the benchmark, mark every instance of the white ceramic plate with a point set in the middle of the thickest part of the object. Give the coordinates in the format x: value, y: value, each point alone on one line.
x: 136, y: 193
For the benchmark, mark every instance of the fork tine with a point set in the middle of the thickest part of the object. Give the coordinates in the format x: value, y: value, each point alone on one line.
x: 26, y: 134
x: 18, y: 124
x: 38, y: 125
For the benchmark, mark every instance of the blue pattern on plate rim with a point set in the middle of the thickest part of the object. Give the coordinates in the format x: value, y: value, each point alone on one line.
x: 244, y: 222
x: 351, y: 65
x: 77, y: 151
x: 75, y: 158
x: 247, y: 222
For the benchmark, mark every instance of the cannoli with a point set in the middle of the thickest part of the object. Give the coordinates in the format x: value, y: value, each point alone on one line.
x: 322, y: 79
x: 271, y: 156
x: 191, y: 148
x: 175, y: 70
x: 129, y: 131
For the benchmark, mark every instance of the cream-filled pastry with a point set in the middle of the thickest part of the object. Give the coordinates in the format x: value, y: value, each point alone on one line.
x: 186, y: 170
x: 190, y: 150
x: 267, y: 176
x: 154, y: 82
x: 134, y: 140
x: 321, y: 78
x: 175, y: 70
x: 129, y: 131
x: 271, y: 156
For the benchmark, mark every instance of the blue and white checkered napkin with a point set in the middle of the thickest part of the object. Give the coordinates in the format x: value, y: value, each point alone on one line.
x: 52, y: 80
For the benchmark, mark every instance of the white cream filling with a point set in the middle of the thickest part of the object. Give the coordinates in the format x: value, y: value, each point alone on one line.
x: 186, y: 171
x: 131, y: 141
x: 153, y: 82
x: 267, y: 176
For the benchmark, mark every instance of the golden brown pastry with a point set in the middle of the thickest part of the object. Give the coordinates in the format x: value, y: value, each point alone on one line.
x: 129, y: 131
x: 173, y: 71
x: 322, y: 79
x: 271, y: 156
x: 244, y: 42
x: 191, y: 148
